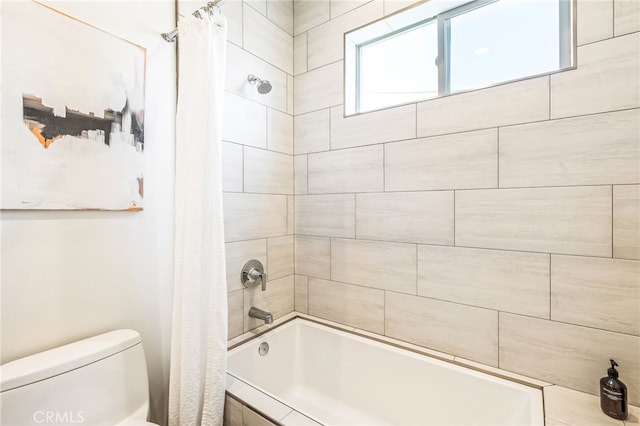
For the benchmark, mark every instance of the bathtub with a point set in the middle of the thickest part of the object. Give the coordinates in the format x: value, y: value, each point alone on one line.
x: 336, y: 377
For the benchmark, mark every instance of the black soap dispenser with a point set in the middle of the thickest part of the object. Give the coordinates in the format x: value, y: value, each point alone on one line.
x: 613, y: 394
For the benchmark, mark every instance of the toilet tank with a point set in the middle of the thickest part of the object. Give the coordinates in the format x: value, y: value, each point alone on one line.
x: 101, y: 380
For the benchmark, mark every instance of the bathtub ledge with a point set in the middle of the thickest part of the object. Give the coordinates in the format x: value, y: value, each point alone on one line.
x: 568, y: 407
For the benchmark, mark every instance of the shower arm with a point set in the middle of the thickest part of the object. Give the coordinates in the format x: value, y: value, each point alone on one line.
x: 170, y: 37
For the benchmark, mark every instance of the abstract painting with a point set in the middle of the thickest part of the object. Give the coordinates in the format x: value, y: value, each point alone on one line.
x: 72, y: 121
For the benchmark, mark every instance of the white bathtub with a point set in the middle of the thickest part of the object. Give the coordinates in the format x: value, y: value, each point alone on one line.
x: 339, y: 378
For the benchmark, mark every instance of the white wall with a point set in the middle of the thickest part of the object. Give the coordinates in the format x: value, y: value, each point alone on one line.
x: 67, y: 275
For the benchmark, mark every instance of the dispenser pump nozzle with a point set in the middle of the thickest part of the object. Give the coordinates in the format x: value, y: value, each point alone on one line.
x: 612, y: 372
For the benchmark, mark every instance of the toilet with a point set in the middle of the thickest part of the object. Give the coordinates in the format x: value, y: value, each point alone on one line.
x: 101, y: 380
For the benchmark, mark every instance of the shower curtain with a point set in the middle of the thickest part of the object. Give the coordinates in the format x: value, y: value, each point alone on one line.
x: 199, y: 328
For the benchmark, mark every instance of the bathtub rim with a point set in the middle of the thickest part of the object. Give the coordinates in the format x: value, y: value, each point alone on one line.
x: 387, y: 341
x: 431, y: 353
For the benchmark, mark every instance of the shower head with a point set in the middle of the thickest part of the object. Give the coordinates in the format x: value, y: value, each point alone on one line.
x: 264, y: 86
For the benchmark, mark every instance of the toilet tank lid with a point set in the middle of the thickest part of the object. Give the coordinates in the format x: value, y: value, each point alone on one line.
x: 65, y: 358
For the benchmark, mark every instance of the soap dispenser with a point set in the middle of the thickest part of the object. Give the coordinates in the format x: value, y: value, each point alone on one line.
x: 613, y: 394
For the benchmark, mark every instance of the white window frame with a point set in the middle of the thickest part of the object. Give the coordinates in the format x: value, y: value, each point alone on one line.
x: 567, y: 50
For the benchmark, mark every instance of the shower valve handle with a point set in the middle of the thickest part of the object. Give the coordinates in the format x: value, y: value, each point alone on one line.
x: 253, y: 274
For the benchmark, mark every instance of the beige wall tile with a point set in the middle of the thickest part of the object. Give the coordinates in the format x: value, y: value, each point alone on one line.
x: 290, y: 215
x: 570, y: 407
x: 352, y: 305
x: 244, y: 121
x: 448, y: 327
x: 259, y: 5
x: 513, y: 103
x: 373, y: 127
x: 277, y: 299
x: 279, y: 257
x: 626, y: 222
x: 232, y: 412
x: 279, y: 131
x: 606, y: 79
x: 326, y: 215
x: 310, y: 13
x: 459, y: 161
x: 253, y: 216
x: 347, y: 170
x: 598, y: 293
x: 319, y: 88
x: 591, y: 150
x: 281, y: 13
x: 495, y: 279
x: 300, y: 54
x: 311, y: 132
x: 267, y: 172
x: 237, y: 254
x: 626, y: 16
x: 552, y: 422
x: 301, y: 294
x: 290, y: 97
x: 326, y: 41
x: 391, y: 6
x: 300, y: 174
x: 595, y: 20
x: 231, y: 167
x: 313, y: 256
x: 241, y: 63
x: 340, y: 7
x: 235, y: 313
x: 251, y: 418
x: 415, y: 217
x: 575, y: 220
x: 387, y: 266
x: 268, y: 41
x: 568, y: 355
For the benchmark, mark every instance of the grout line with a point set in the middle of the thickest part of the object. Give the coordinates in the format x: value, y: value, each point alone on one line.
x: 355, y: 216
x: 462, y: 132
x: 550, y: 93
x: 243, y: 179
x: 498, y: 360
x: 417, y: 272
x: 498, y: 158
x: 384, y: 168
x: 266, y: 124
x: 612, y: 229
x: 454, y: 218
x: 384, y: 312
x: 445, y: 245
x: 416, y: 120
x: 514, y: 188
x: 550, y: 288
x: 306, y: 56
x: 330, y: 258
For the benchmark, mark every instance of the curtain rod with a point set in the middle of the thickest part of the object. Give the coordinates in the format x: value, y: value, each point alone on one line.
x: 170, y: 37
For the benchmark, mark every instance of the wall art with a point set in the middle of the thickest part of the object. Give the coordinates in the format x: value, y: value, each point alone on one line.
x: 72, y: 113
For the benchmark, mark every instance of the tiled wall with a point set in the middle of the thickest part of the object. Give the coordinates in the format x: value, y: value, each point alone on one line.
x: 258, y: 155
x: 500, y: 225
x: 238, y: 414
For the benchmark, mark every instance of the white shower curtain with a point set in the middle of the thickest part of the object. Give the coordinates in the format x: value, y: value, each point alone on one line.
x: 199, y: 328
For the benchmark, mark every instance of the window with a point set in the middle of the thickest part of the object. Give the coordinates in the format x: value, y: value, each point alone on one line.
x: 436, y: 48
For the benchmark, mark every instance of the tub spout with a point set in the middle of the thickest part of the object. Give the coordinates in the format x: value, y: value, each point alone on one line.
x: 260, y: 314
